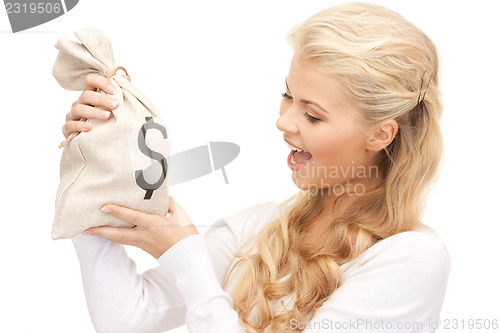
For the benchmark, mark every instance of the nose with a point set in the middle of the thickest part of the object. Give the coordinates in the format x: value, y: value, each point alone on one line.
x: 286, y: 122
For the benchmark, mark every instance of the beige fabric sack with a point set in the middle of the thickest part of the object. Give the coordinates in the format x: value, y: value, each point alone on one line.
x: 122, y: 160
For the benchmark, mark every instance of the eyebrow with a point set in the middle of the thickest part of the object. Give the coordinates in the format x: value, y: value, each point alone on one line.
x: 305, y: 101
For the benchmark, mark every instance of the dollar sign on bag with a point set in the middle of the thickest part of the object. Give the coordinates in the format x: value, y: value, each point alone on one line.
x: 141, y: 140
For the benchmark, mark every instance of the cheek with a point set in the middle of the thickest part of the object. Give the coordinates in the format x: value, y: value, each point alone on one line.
x: 337, y: 147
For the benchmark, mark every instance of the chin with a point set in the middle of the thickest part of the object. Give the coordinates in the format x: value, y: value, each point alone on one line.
x: 306, y: 184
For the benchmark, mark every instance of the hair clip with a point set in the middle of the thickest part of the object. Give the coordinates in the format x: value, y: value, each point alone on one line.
x: 425, y: 91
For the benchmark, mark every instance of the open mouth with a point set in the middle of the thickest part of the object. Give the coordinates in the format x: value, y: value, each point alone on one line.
x: 297, y: 158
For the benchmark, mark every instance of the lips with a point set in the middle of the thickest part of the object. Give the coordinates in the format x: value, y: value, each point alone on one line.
x: 292, y: 146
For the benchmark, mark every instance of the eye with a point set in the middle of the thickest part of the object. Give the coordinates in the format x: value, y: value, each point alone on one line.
x: 286, y: 96
x: 310, y: 118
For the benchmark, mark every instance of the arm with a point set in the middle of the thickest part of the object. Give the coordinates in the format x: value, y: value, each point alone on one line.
x: 120, y: 300
x: 195, y: 265
x: 209, y: 307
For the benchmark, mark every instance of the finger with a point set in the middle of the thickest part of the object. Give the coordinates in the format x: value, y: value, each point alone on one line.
x: 128, y: 214
x: 88, y: 112
x: 95, y: 81
x: 93, y: 98
x: 75, y: 126
x: 123, y: 235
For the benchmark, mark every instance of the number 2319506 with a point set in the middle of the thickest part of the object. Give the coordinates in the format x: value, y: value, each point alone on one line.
x: 469, y: 324
x: 33, y: 8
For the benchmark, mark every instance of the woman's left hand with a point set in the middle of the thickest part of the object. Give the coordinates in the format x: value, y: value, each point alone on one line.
x: 153, y: 233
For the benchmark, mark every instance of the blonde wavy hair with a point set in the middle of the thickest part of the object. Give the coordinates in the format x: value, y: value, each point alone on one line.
x: 389, y: 69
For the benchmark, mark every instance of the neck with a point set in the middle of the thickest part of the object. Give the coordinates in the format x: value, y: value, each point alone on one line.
x: 334, y: 202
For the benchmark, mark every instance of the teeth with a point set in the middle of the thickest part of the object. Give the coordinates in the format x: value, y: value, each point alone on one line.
x: 292, y: 147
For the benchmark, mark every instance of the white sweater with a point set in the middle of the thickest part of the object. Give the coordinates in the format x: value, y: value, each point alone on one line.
x: 396, y: 285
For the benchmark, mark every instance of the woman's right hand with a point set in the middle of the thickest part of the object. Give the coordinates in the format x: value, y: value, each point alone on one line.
x: 87, y: 105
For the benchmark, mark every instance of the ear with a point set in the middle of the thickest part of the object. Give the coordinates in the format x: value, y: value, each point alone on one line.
x: 382, y: 136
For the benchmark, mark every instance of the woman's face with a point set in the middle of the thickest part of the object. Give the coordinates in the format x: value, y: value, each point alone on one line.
x: 316, y: 116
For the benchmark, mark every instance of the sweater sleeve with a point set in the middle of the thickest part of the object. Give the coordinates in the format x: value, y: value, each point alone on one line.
x: 209, y: 307
x: 121, y: 300
x: 195, y: 266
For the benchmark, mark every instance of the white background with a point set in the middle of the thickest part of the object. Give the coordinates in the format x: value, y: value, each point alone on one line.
x: 216, y: 69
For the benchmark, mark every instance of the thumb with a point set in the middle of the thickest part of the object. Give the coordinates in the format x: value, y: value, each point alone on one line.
x: 172, y: 205
x: 182, y: 217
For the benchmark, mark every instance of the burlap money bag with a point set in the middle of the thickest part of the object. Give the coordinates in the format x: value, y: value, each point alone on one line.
x: 122, y: 160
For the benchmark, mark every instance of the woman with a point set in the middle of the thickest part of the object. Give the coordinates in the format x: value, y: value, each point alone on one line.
x: 348, y: 252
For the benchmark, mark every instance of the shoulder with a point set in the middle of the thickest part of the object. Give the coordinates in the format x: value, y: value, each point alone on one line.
x: 399, y: 280
x: 402, y: 278
x: 410, y: 268
x: 423, y: 243
x: 419, y: 250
